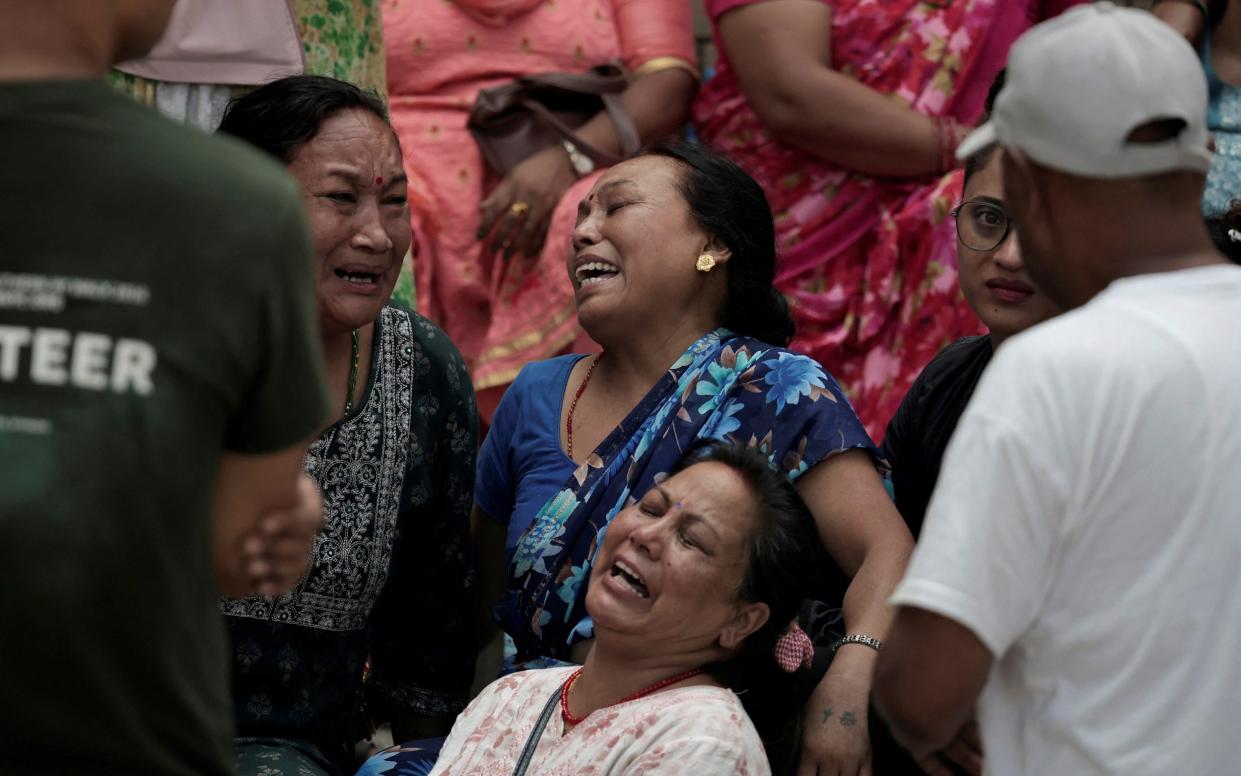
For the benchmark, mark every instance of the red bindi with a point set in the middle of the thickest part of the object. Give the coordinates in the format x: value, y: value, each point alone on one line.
x: 379, y: 180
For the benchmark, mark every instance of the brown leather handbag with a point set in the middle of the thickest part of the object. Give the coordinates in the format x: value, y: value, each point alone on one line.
x: 515, y: 120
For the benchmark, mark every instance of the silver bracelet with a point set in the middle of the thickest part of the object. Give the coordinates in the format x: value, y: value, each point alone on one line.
x: 858, y: 638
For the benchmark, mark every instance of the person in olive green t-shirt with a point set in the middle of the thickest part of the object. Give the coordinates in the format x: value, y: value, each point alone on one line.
x: 160, y: 377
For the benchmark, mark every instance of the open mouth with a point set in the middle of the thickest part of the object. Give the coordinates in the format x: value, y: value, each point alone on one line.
x: 624, y: 574
x: 595, y: 272
x: 358, y: 277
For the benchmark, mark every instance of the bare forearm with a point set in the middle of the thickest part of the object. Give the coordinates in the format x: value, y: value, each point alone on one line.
x: 920, y: 742
x: 846, y: 123
x: 261, y: 512
x: 920, y: 732
x: 928, y: 679
x: 1182, y: 17
x: 839, y: 705
x: 866, y: 612
x: 658, y: 104
x: 868, y: 541
x: 865, y: 606
x: 780, y: 52
x: 236, y: 522
x: 896, y: 695
x: 863, y: 533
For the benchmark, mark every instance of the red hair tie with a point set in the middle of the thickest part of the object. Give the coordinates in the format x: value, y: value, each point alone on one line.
x: 794, y: 650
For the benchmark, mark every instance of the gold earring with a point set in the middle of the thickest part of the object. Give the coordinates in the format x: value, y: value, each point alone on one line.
x: 706, y: 262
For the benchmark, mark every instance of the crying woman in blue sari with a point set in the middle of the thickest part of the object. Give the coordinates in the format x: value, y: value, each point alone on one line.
x: 672, y: 262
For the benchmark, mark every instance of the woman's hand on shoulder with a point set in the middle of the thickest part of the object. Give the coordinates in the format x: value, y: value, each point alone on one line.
x: 835, y: 733
x: 538, y: 183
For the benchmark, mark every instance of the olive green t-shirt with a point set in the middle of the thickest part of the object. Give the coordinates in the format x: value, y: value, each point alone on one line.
x: 156, y: 308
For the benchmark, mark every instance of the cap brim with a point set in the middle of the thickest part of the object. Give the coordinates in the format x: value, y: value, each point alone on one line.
x: 978, y: 141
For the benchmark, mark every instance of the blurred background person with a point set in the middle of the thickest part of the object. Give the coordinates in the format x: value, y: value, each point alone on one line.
x: 146, y: 423
x: 214, y: 48
x: 848, y: 113
x: 390, y: 578
x: 491, y: 266
x: 1214, y: 28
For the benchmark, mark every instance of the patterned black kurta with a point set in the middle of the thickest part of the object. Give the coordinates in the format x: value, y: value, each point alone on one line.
x: 391, y: 576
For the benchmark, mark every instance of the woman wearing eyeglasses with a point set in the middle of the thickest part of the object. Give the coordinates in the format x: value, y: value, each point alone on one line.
x: 995, y: 284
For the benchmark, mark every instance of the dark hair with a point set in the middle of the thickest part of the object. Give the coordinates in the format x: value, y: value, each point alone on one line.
x: 281, y: 116
x: 781, y: 560
x: 730, y: 205
x: 980, y: 159
x: 1222, y: 228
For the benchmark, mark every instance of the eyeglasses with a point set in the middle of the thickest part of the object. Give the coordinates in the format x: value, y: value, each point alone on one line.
x: 981, y: 226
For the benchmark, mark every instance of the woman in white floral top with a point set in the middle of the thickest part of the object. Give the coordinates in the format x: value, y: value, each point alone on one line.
x: 692, y: 595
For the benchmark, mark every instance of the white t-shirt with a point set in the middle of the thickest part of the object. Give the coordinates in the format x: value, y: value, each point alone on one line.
x: 1087, y: 528
x: 700, y: 730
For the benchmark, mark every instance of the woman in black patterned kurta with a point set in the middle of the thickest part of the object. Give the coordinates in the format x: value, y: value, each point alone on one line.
x: 390, y: 576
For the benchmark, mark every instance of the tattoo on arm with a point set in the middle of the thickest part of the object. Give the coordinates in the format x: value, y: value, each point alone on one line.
x: 847, y: 719
x: 827, y: 714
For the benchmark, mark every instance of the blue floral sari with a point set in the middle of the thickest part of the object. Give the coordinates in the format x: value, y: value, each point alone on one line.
x: 724, y: 387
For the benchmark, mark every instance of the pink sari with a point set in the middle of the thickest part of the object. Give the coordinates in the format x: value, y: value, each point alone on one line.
x: 501, y: 314
x: 869, y: 264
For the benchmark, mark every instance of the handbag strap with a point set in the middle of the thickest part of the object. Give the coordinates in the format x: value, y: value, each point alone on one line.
x: 607, y: 82
x: 601, y: 80
x: 625, y: 130
x: 628, y: 133
x: 527, y: 753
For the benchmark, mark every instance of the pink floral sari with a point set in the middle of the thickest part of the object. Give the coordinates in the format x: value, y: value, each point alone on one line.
x: 869, y: 264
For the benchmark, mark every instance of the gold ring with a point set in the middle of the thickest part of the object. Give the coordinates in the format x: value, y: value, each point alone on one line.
x: 518, y: 208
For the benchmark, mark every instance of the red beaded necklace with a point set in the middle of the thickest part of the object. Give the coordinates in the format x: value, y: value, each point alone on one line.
x: 645, y: 691
x: 581, y: 389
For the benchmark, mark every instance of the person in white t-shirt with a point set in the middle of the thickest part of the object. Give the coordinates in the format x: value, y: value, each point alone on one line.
x: 1077, y: 579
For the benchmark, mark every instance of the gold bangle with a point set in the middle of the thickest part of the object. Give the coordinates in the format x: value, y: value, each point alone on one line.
x: 664, y: 63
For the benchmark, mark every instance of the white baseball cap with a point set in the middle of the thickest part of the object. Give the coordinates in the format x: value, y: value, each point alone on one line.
x: 1079, y: 84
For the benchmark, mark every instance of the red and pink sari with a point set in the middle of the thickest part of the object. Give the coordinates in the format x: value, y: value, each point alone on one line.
x: 869, y: 265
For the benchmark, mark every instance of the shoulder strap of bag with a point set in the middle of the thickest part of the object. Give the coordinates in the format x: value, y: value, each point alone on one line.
x: 625, y: 129
x: 607, y: 82
x: 527, y: 753
x: 600, y: 80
